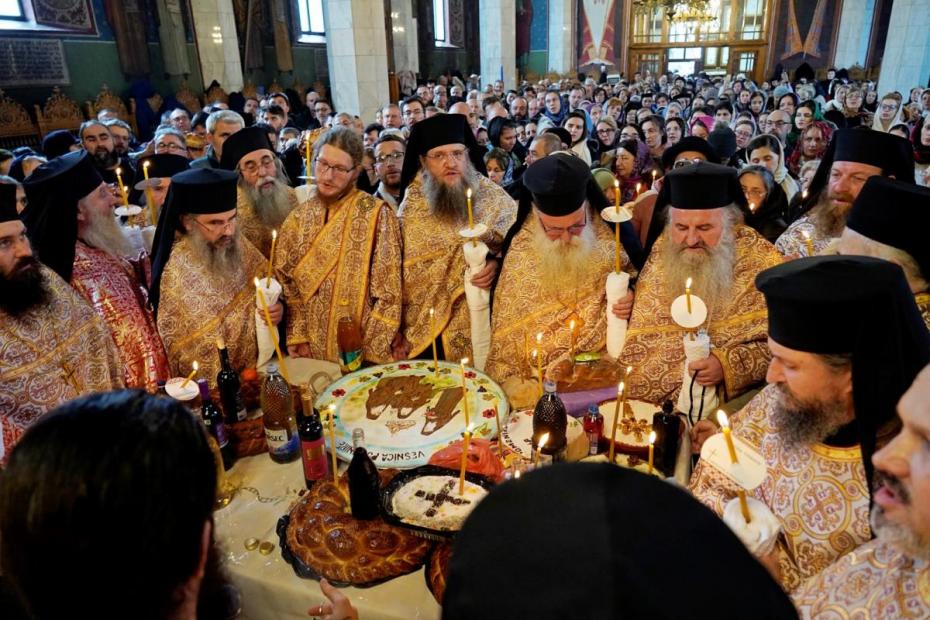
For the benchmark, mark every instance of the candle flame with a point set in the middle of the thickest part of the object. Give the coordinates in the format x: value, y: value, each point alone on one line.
x: 431, y: 313
x: 539, y: 337
x: 146, y: 164
x: 688, y: 283
x: 654, y: 174
x: 535, y: 353
x: 119, y: 170
x: 257, y: 285
x: 274, y: 235
x: 542, y: 441
x: 804, y: 195
x: 616, y: 184
x: 806, y: 235
x: 468, y: 193
x: 620, y: 389
x: 516, y: 474
x: 464, y: 361
x: 752, y: 207
x: 638, y: 186
x: 571, y: 325
x: 195, y: 365
x: 629, y: 369
x: 652, y: 438
x: 722, y: 419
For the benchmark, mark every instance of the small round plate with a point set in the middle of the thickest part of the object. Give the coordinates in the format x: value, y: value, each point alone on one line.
x: 610, y: 214
x: 689, y: 320
x: 128, y: 211
x: 175, y: 391
x: 474, y: 233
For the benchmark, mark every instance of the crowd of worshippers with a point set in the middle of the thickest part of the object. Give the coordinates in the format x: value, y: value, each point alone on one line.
x: 816, y: 288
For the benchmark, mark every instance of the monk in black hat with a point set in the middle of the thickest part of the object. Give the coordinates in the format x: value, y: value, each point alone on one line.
x: 160, y: 169
x: 339, y: 254
x: 847, y: 340
x: 704, y: 239
x: 203, y: 275
x: 265, y: 197
x: 53, y: 347
x: 75, y: 233
x: 889, y: 220
x: 441, y: 163
x: 557, y: 258
x: 852, y: 157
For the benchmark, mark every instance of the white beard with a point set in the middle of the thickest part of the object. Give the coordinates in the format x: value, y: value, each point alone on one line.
x: 711, y: 271
x: 103, y: 232
x: 563, y: 264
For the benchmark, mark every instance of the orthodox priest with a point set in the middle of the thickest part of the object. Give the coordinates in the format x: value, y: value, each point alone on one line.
x: 339, y: 256
x: 852, y: 156
x: 53, y: 346
x: 203, y: 275
x: 889, y: 219
x: 706, y: 241
x: 847, y: 340
x: 556, y: 259
x: 265, y: 196
x: 442, y: 161
x: 158, y: 169
x: 75, y: 233
x: 887, y: 577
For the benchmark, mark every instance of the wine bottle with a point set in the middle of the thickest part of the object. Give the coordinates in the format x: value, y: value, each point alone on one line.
x: 550, y: 416
x: 213, y: 420
x: 227, y: 381
x: 364, y: 482
x: 278, y: 417
x: 312, y: 447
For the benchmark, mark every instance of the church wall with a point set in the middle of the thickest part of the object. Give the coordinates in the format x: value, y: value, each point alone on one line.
x: 435, y: 60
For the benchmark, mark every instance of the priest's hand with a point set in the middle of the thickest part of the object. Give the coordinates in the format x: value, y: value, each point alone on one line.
x: 709, y: 370
x: 299, y: 350
x: 400, y: 348
x: 700, y: 433
x: 485, y: 278
x: 276, y: 311
x: 623, y: 309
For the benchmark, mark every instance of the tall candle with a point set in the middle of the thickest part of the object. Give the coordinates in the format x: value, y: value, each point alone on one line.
x: 432, y: 331
x: 638, y: 187
x: 122, y: 188
x: 688, y: 294
x: 271, y: 330
x: 464, y: 392
x: 332, y: 440
x: 274, y: 241
x: 307, y: 147
x: 464, y: 465
x: 725, y: 427
x: 618, y: 408
x: 744, y: 505
x: 652, y: 445
x: 149, y: 198
x: 471, y: 216
x: 571, y: 327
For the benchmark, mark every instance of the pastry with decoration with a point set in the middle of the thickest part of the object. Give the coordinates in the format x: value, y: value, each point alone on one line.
x: 482, y: 458
x: 433, y: 502
x: 634, y: 426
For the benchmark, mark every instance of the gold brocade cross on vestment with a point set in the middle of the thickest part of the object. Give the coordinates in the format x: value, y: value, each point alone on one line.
x: 68, y: 373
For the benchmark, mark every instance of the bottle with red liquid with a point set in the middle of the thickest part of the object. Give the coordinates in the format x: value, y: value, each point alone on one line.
x: 593, y: 423
x: 312, y: 447
x: 349, y: 339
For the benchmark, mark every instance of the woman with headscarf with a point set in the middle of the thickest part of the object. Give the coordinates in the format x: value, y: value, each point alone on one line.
x: 766, y: 150
x: 673, y: 110
x: 888, y: 114
x: 575, y: 124
x: 920, y: 138
x: 767, y: 203
x: 870, y: 104
x: 632, y: 167
x: 788, y: 103
x: 813, y: 143
x: 847, y: 111
x: 757, y: 101
x: 806, y: 113
x: 701, y: 126
x: 502, y: 134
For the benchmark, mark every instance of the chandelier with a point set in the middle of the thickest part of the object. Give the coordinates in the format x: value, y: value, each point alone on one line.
x: 699, y: 11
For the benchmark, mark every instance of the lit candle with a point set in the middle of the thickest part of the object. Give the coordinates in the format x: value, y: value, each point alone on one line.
x: 653, y: 175
x: 148, y: 193
x: 538, y: 358
x: 629, y: 369
x: 617, y: 196
x: 752, y: 207
x: 307, y: 148
x: 471, y: 216
x: 122, y: 188
x: 725, y: 427
x: 571, y: 327
x: 808, y: 242
x: 274, y: 241
x: 195, y: 367
x: 464, y: 392
x: 652, y: 445
x: 539, y: 447
x: 638, y: 187
x: 688, y: 294
x: 804, y: 195
x: 464, y: 465
x: 432, y: 331
x: 613, y: 427
x: 271, y: 330
x: 332, y: 439
x: 617, y: 226
x: 744, y: 505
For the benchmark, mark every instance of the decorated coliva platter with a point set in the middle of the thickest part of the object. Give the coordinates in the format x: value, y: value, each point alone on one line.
x: 408, y: 411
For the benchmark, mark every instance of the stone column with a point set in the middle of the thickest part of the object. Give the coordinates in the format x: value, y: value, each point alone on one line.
x: 497, y: 23
x: 906, y: 62
x: 356, y: 52
x: 855, y: 29
x: 561, y: 36
x: 404, y: 26
x: 217, y: 43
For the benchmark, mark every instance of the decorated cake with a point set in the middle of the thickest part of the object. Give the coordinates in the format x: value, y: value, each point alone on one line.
x: 433, y: 502
x: 408, y: 411
x: 323, y: 535
x: 518, y: 436
x: 482, y: 459
x: 437, y: 569
x: 634, y: 426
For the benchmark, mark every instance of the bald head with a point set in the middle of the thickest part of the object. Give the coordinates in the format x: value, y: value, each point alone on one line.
x: 460, y: 108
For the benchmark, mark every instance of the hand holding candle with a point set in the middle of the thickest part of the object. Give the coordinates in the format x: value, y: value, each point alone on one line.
x: 271, y: 329
x: 195, y: 366
x: 725, y: 427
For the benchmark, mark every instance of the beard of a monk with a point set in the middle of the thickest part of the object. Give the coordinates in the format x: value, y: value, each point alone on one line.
x: 803, y: 422
x: 563, y: 264
x: 270, y: 198
x: 104, y: 159
x: 829, y: 219
x: 223, y: 257
x: 24, y: 288
x: 711, y: 269
x: 448, y: 202
x: 896, y: 534
x: 103, y: 232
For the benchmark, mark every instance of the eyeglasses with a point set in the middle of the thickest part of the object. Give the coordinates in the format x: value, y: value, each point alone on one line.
x: 683, y: 163
x: 324, y: 166
x: 252, y: 167
x: 778, y: 124
x: 219, y: 228
x: 574, y: 229
x: 604, y: 132
x: 743, y: 134
x: 170, y: 146
x: 396, y: 156
x: 452, y: 156
x: 754, y: 192
x: 889, y: 106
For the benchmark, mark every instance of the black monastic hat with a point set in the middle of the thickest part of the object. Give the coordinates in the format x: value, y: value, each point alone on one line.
x: 641, y: 524
x: 689, y: 143
x: 560, y: 183
x: 896, y: 214
x: 53, y: 191
x: 8, y: 211
x: 198, y: 191
x: 430, y: 133
x: 703, y: 186
x: 241, y: 144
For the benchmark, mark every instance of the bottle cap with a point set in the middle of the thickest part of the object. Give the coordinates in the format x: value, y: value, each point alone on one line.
x: 271, y: 368
x: 593, y: 408
x: 358, y: 437
x: 667, y: 407
x: 549, y: 385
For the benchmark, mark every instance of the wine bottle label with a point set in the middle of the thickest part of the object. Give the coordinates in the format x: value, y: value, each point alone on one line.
x: 314, y: 458
x: 352, y: 360
x: 279, y: 443
x: 219, y: 431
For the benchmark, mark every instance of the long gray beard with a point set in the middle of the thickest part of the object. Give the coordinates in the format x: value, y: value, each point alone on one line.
x: 104, y: 233
x: 448, y: 203
x: 563, y: 264
x: 711, y: 272
x: 272, y: 205
x: 805, y: 422
x: 221, y: 262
